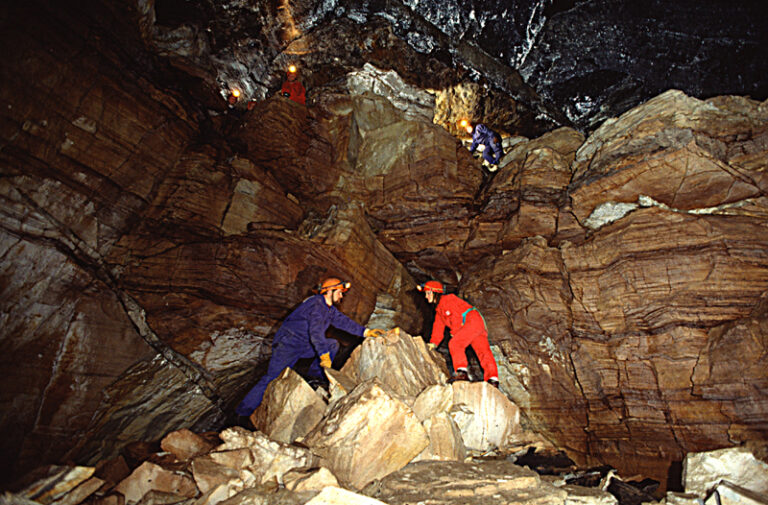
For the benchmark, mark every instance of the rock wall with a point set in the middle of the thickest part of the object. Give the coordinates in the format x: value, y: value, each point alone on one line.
x: 146, y: 264
x: 619, y: 331
x: 152, y: 245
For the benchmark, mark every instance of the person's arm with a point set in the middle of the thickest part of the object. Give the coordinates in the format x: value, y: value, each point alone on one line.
x: 301, y: 94
x: 438, y: 330
x: 342, y: 322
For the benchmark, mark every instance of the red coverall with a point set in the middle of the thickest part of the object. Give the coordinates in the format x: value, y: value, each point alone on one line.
x: 295, y: 90
x: 467, y: 329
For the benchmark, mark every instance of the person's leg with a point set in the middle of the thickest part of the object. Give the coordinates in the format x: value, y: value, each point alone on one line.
x: 458, y: 344
x: 488, y: 154
x: 315, y: 370
x: 483, y: 350
x: 283, y: 356
x: 495, y: 153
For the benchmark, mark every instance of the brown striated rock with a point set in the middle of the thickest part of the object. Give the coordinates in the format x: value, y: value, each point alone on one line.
x: 526, y: 194
x: 682, y: 152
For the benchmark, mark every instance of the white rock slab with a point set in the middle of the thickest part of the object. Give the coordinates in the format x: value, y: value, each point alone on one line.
x: 445, y: 442
x: 433, y: 400
x: 367, y: 434
x: 485, y: 416
x: 290, y: 408
x: 737, y: 465
x: 338, y: 496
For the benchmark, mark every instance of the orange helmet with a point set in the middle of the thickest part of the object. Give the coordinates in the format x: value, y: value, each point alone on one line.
x: 434, y: 286
x: 333, y: 283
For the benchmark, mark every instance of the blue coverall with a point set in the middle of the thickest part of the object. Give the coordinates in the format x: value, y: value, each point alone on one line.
x: 490, y: 139
x: 302, y: 335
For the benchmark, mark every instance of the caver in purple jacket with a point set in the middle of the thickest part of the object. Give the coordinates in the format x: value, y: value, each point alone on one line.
x: 491, y: 140
x: 302, y: 335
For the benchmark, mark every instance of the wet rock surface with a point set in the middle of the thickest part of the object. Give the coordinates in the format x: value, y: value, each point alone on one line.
x: 153, y: 239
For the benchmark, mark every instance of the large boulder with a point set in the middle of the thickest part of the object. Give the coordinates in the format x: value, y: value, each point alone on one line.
x: 289, y: 410
x: 401, y: 362
x: 367, y: 434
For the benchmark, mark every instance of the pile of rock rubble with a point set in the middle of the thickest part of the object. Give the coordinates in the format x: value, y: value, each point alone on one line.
x: 389, y: 430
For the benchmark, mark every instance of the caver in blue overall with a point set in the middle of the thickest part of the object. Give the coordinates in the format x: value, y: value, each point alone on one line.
x: 302, y: 335
x: 491, y: 140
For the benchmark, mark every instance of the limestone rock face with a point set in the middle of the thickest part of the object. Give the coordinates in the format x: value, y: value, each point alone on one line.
x: 628, y: 330
x: 289, y: 410
x: 369, y: 433
x: 738, y: 465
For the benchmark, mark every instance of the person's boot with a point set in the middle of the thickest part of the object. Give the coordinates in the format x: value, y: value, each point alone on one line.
x: 494, y: 382
x: 460, y: 375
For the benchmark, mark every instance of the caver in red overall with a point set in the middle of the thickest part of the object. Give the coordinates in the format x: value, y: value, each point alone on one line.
x: 467, y: 329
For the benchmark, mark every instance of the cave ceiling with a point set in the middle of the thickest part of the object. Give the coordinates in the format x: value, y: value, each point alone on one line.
x: 560, y: 63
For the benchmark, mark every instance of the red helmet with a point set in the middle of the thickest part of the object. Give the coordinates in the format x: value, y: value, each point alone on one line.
x: 434, y: 286
x: 333, y: 283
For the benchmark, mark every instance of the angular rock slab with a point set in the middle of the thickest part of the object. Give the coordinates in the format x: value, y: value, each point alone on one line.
x: 454, y: 483
x: 151, y: 477
x: 445, y: 441
x: 486, y: 418
x: 270, y: 459
x: 60, y: 481
x: 313, y: 480
x: 184, y: 444
x: 398, y: 360
x: 580, y: 495
x: 289, y: 410
x: 367, y: 434
x: 737, y: 465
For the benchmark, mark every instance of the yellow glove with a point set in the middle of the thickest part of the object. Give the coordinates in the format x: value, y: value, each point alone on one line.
x: 373, y: 333
x: 431, y: 346
x: 325, y: 360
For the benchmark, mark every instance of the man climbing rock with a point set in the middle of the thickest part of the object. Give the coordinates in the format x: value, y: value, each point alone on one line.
x: 302, y: 335
x: 292, y: 88
x: 490, y: 139
x: 467, y: 329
